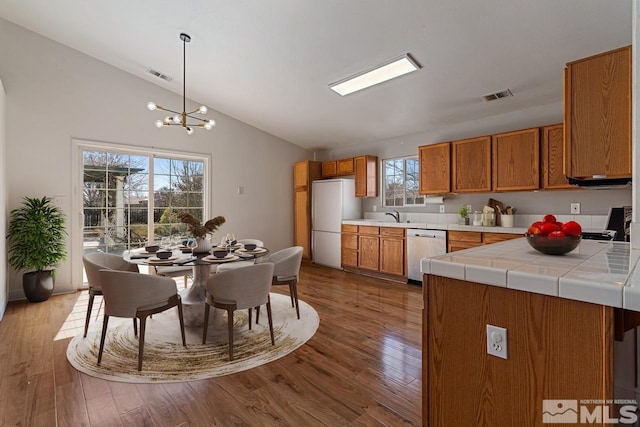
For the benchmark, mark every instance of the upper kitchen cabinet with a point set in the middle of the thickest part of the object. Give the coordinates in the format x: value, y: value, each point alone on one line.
x: 345, y: 166
x: 597, y: 109
x: 471, y: 165
x: 330, y: 169
x: 516, y: 160
x: 435, y: 168
x: 552, y: 158
x: 366, y: 168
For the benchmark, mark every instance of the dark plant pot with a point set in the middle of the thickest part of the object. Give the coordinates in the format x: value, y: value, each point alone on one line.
x: 38, y: 285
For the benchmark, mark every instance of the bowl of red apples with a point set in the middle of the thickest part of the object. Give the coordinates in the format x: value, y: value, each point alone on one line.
x: 552, y: 237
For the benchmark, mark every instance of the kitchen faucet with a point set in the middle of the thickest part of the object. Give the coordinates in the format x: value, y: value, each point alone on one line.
x: 395, y: 215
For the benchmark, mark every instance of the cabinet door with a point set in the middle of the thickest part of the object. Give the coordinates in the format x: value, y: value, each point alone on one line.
x: 489, y: 238
x: 516, y: 160
x: 471, y: 160
x: 366, y: 176
x: 345, y: 166
x: 553, y: 158
x: 392, y: 255
x: 369, y: 252
x: 301, y: 175
x: 302, y: 222
x: 435, y: 168
x: 329, y: 169
x: 598, y: 115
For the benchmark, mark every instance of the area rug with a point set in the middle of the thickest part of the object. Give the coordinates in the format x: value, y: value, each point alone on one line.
x: 166, y: 360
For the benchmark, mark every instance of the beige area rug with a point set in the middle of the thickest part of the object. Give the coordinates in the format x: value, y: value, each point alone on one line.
x: 166, y: 360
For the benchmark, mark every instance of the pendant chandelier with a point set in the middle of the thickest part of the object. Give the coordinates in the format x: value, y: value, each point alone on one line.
x: 180, y: 119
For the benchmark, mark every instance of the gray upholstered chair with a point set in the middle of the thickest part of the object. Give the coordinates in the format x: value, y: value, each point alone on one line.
x: 137, y: 296
x: 238, y: 264
x: 93, y: 263
x: 286, y: 270
x: 239, y: 289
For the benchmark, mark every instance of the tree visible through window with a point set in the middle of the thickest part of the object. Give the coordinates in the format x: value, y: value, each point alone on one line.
x: 401, y: 180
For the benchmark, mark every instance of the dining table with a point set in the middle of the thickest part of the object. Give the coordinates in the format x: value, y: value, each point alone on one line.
x: 194, y: 297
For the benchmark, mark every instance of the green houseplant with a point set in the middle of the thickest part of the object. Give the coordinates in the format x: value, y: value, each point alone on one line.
x: 37, y: 235
x: 464, y: 215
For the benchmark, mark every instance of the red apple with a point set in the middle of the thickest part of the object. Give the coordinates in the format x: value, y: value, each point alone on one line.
x: 549, y: 218
x: 548, y: 228
x: 572, y: 228
x: 556, y: 234
x: 534, y: 230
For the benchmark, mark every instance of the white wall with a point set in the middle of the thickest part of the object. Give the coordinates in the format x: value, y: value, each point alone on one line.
x: 55, y: 94
x: 593, y: 202
x: 4, y: 289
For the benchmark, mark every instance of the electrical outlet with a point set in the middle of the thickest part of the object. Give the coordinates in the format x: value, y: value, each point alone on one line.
x: 575, y: 208
x: 497, y: 341
x: 441, y: 208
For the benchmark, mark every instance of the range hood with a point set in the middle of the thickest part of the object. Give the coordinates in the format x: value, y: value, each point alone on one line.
x: 600, y: 182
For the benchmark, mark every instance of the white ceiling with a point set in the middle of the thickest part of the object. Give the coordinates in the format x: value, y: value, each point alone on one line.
x: 269, y: 63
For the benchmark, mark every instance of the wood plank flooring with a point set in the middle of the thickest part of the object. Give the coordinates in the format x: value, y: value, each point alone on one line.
x: 361, y: 368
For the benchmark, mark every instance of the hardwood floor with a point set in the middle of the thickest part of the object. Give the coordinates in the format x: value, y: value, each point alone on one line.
x: 362, y: 367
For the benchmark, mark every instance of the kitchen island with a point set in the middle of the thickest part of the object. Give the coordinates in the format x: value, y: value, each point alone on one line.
x: 561, y: 315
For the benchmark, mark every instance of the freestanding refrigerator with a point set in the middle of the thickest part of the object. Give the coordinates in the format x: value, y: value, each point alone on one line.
x: 333, y: 200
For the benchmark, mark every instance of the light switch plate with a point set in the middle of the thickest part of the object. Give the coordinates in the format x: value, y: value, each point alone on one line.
x: 575, y: 208
x: 441, y: 208
x: 497, y: 341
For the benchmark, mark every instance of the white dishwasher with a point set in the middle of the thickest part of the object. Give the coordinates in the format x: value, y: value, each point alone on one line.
x: 423, y: 243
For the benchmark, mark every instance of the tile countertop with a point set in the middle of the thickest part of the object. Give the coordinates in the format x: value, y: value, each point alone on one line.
x: 596, y: 272
x: 432, y: 226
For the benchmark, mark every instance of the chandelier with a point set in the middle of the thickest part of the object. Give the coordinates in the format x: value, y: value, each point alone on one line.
x: 180, y: 119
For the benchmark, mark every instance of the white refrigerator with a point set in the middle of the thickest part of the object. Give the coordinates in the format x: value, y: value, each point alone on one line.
x: 332, y: 201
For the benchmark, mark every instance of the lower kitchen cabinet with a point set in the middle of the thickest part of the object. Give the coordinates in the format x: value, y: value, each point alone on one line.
x: 459, y: 240
x: 349, y: 241
x: 369, y: 252
x: 392, y: 251
x: 376, y: 251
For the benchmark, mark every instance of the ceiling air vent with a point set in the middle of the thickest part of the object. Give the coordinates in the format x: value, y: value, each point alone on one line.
x: 497, y: 95
x: 159, y: 74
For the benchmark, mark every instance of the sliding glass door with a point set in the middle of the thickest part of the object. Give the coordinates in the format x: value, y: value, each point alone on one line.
x: 130, y: 197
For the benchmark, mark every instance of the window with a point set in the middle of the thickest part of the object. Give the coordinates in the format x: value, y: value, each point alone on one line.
x: 401, y: 180
x: 130, y: 198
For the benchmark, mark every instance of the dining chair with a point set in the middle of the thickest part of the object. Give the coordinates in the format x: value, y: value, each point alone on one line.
x: 238, y: 264
x: 137, y: 296
x: 93, y: 263
x: 239, y: 289
x: 177, y: 271
x: 286, y: 271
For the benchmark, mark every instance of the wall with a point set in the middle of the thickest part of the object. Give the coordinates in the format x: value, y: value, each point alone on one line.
x: 56, y: 94
x: 593, y: 202
x: 4, y: 290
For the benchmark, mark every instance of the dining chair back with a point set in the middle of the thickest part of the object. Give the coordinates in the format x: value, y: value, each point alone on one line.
x: 137, y: 296
x: 93, y: 263
x: 238, y: 289
x: 286, y: 271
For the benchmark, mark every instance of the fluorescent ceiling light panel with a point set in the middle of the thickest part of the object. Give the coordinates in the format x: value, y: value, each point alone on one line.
x: 389, y: 70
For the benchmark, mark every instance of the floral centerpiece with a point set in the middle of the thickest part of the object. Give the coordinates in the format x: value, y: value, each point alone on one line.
x: 200, y: 231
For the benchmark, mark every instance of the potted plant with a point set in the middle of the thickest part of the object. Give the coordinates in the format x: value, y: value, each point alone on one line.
x: 37, y: 235
x: 464, y: 215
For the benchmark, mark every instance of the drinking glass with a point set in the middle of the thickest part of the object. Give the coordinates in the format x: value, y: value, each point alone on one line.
x: 165, y: 242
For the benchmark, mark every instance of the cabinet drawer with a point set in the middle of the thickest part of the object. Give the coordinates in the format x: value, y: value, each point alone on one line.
x: 349, y: 257
x: 499, y: 237
x: 392, y: 231
x: 369, y: 230
x: 458, y: 246
x: 350, y: 241
x: 465, y: 236
x: 348, y: 228
x: 345, y: 167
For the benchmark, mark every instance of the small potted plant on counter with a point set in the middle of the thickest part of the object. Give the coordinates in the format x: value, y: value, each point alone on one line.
x: 464, y: 215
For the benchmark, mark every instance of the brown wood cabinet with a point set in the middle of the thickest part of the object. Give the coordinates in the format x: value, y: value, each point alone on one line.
x: 392, y: 250
x: 459, y: 240
x: 329, y: 169
x: 368, y: 247
x: 349, y: 243
x: 553, y: 158
x: 435, y: 168
x: 471, y: 165
x: 597, y: 108
x: 516, y: 160
x: 556, y: 347
x: 366, y: 169
x: 303, y: 174
x: 345, y: 166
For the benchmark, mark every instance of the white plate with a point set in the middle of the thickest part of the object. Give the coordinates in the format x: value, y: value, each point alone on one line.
x: 255, y: 251
x: 211, y: 258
